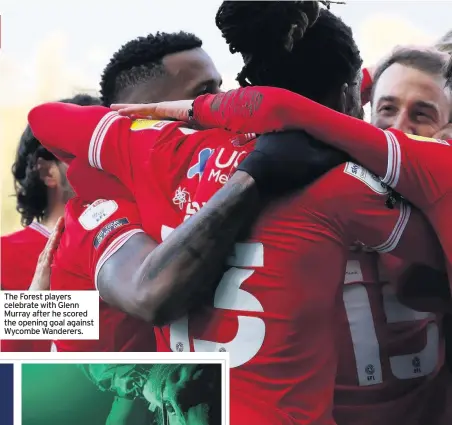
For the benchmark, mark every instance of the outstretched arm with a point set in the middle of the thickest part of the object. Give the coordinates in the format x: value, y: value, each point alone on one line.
x: 405, y: 162
x: 266, y: 109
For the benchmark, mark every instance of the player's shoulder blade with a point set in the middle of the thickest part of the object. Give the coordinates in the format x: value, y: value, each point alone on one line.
x: 366, y: 177
x: 426, y: 139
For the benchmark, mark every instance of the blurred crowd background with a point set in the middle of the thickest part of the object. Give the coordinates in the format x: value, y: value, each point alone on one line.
x: 53, y: 49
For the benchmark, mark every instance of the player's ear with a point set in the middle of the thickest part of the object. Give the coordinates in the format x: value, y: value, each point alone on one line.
x: 48, y: 172
x: 343, y: 97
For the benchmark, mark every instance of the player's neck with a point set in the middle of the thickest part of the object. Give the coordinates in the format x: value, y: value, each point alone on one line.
x: 50, y: 220
x: 55, y: 210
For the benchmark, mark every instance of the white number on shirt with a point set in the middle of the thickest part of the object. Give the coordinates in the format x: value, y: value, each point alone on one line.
x: 229, y: 296
x: 365, y: 343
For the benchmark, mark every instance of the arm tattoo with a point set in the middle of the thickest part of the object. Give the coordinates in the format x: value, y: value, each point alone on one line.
x: 192, y: 258
x: 248, y: 103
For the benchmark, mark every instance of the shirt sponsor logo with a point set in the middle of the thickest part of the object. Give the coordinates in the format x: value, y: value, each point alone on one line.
x: 225, y: 160
x: 144, y: 124
x: 217, y: 176
x: 97, y: 213
x: 198, y: 168
x: 426, y: 139
x: 181, y: 197
x: 107, y: 229
x: 371, y: 180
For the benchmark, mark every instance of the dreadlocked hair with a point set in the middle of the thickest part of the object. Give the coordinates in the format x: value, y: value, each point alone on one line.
x: 140, y: 60
x: 31, y: 192
x: 290, y: 44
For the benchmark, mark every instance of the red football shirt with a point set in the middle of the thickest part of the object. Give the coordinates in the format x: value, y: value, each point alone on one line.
x: 417, y: 167
x: 217, y: 175
x: 275, y: 309
x: 391, y: 358
x: 380, y: 151
x: 83, y: 246
x: 19, y: 256
x: 92, y: 233
x: 159, y: 162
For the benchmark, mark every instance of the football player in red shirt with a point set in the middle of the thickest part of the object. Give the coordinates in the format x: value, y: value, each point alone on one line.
x: 398, y: 384
x: 408, y: 112
x: 42, y: 191
x: 104, y: 214
x: 425, y: 160
x: 316, y: 406
x: 379, y: 379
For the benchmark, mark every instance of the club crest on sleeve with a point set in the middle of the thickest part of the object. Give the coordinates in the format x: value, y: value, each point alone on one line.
x: 144, y: 124
x: 369, y: 179
x: 107, y: 229
x: 97, y: 213
x: 426, y: 139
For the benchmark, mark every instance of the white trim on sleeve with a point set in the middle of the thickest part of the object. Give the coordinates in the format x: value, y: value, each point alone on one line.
x: 394, y: 160
x: 98, y: 137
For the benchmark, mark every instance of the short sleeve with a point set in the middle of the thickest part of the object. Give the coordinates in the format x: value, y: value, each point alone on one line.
x: 97, y: 231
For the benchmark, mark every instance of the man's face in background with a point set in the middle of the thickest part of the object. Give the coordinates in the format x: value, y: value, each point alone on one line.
x: 410, y: 100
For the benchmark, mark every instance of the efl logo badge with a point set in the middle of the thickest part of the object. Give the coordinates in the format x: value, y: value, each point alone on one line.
x: 144, y: 124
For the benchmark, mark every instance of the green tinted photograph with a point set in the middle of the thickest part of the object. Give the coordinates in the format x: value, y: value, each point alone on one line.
x: 121, y: 394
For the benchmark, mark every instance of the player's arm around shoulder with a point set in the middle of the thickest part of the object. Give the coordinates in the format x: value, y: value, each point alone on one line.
x: 417, y: 166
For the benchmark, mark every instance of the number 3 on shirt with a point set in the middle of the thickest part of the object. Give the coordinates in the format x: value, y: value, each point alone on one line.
x: 229, y: 296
